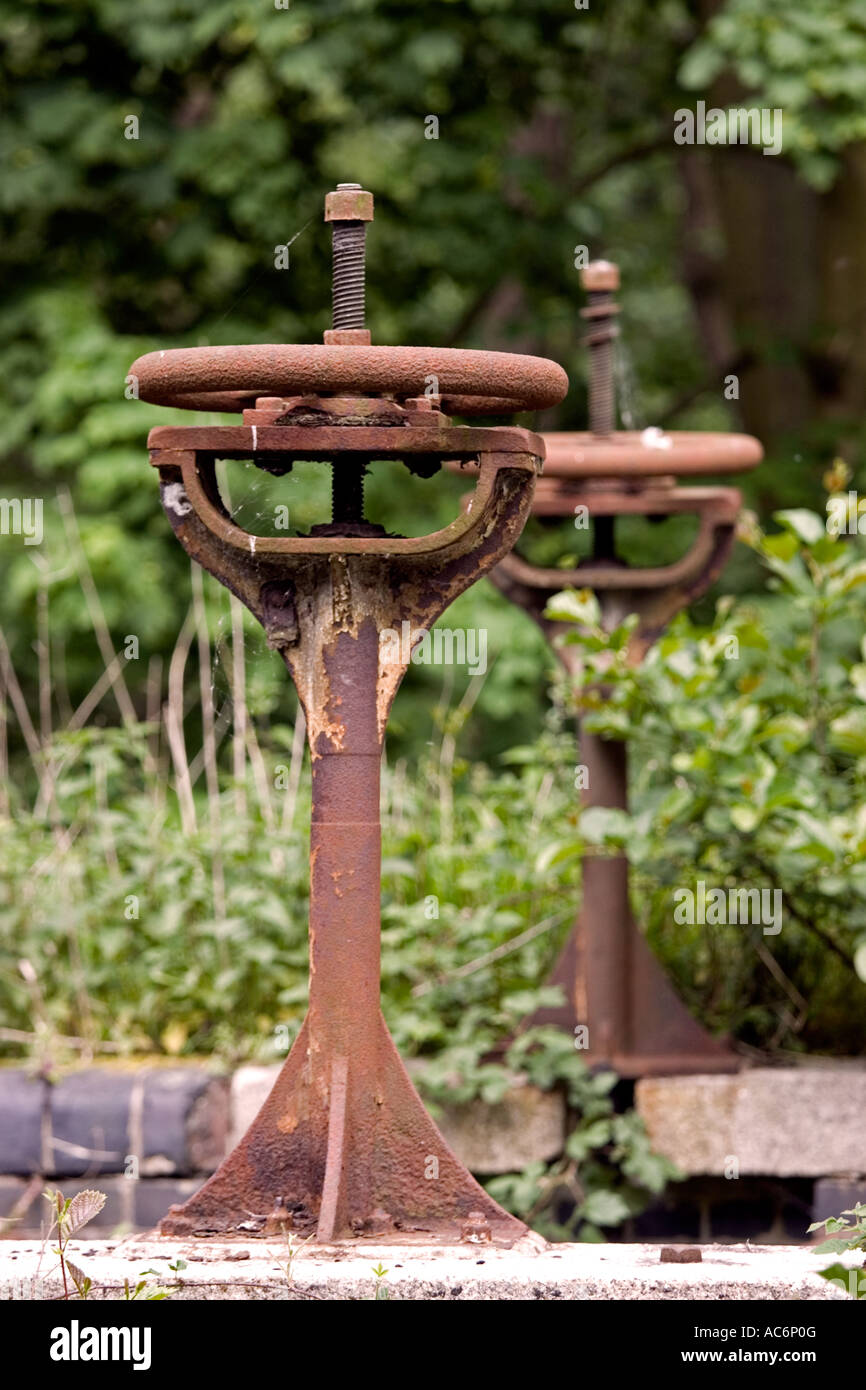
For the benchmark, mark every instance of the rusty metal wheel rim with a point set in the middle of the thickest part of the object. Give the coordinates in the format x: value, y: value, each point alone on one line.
x: 231, y: 378
x: 628, y: 454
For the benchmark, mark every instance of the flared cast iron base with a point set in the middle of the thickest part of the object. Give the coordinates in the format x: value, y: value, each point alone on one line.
x: 342, y: 1151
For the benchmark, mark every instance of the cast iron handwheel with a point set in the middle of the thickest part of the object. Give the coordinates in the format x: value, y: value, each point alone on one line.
x: 630, y: 454
x: 230, y: 378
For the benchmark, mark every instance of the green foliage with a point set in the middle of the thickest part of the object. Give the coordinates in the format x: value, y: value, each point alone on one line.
x: 555, y: 127
x: 114, y: 907
x: 748, y: 743
x: 845, y: 1237
x: 608, y: 1170
x: 109, y: 933
x: 805, y: 59
x: 112, y: 246
x: 749, y: 769
x: 68, y: 1216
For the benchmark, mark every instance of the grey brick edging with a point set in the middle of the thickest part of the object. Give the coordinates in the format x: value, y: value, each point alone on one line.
x: 147, y: 1137
x: 148, y: 1122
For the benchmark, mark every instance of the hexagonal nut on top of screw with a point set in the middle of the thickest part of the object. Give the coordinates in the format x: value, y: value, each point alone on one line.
x: 349, y: 203
x: 600, y: 277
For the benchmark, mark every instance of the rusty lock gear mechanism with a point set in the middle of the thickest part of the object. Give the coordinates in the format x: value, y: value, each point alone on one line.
x: 343, y: 1146
x: 613, y: 985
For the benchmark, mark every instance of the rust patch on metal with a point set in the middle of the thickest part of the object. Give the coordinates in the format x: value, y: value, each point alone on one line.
x: 341, y: 591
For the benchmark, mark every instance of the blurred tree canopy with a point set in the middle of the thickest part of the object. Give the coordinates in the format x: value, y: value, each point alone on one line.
x: 555, y: 130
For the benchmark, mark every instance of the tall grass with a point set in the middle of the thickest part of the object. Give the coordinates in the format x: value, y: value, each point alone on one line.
x: 154, y: 869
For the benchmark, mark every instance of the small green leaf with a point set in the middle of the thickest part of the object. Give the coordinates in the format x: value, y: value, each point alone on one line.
x: 806, y: 525
x: 745, y: 818
x: 848, y: 733
x: 83, y: 1207
x: 851, y: 1280
x: 575, y: 606
x: 604, y: 1208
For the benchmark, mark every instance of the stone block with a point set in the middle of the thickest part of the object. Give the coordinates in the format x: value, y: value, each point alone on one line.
x: 834, y: 1195
x: 90, y: 1122
x: 172, y: 1120
x: 690, y: 1119
x: 250, y: 1087
x: 528, y: 1272
x: 527, y: 1126
x: 23, y: 1099
x: 805, y: 1121
x: 184, y: 1121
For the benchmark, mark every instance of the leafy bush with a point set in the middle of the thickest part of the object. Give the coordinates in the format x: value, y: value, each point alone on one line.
x: 146, y: 936
x: 555, y: 132
x: 121, y: 930
x: 844, y: 1237
x: 806, y: 60
x: 748, y: 750
x: 608, y: 1170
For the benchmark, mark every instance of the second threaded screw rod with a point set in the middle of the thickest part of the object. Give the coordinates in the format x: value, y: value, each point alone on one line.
x: 600, y: 279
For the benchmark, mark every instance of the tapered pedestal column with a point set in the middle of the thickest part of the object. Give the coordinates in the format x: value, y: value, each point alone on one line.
x: 619, y: 1002
x: 343, y: 1145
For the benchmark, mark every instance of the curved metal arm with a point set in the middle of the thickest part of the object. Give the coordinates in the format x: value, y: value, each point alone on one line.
x: 612, y: 575
x: 654, y: 594
x: 201, y: 492
x: 306, y: 590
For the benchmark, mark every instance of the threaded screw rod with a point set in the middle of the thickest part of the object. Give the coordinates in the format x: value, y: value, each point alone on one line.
x: 348, y: 288
x: 600, y: 279
x: 349, y: 208
x: 347, y: 491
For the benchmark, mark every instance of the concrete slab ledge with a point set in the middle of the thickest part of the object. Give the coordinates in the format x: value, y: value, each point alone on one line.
x: 804, y: 1121
x: 262, y: 1271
